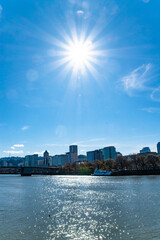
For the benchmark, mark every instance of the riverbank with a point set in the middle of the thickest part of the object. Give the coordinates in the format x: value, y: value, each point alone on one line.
x: 136, y: 172
x: 59, y: 171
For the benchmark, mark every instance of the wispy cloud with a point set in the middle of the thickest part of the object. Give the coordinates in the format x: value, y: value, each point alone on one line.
x: 1, y: 9
x: 93, y: 142
x: 56, y: 145
x: 13, y: 152
x: 90, y: 140
x: 61, y: 131
x: 151, y: 110
x: 136, y: 79
x: 155, y: 95
x: 25, y: 128
x: 39, y: 153
x: 146, y: 1
x: 17, y: 146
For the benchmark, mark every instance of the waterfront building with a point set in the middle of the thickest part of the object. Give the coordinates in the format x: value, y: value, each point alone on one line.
x: 31, y: 160
x: 109, y: 152
x: 4, y: 163
x: 41, y: 162
x: 59, y: 160
x: 55, y: 160
x: 73, y: 148
x: 158, y: 147
x: 94, y: 155
x: 148, y: 153
x: 145, y: 150
x: 82, y: 158
x: 90, y: 156
x: 72, y: 154
x: 68, y: 157
x: 46, y: 158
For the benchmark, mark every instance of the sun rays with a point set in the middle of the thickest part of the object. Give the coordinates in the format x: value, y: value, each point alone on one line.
x: 77, y: 53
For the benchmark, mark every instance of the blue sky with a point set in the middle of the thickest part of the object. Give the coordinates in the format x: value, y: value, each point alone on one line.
x: 46, y: 104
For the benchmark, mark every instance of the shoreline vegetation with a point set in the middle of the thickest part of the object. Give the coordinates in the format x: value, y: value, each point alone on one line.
x: 120, y: 166
x: 132, y: 165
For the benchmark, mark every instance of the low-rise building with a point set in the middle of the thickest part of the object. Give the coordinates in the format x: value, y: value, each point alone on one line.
x: 145, y: 150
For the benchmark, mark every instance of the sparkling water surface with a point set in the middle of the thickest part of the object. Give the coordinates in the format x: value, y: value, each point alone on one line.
x: 79, y: 207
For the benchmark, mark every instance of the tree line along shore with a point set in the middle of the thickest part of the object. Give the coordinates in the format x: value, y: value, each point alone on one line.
x: 136, y: 164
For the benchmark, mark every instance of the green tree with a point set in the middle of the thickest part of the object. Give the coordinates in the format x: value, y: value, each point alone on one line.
x: 152, y: 161
x: 121, y: 162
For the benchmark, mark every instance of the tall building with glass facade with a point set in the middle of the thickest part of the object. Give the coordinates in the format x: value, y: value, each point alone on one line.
x: 59, y: 160
x: 73, y: 153
x: 158, y: 147
x: 31, y: 160
x: 109, y: 152
x: 102, y: 154
x: 73, y: 148
x: 46, y: 158
x: 94, y: 155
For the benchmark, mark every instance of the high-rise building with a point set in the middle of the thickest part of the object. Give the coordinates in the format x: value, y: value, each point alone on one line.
x: 46, y: 158
x: 109, y: 152
x: 31, y: 160
x: 73, y: 148
x: 68, y: 156
x: 145, y: 150
x: 94, y: 155
x: 158, y: 147
x: 59, y: 160
x: 55, y: 160
x: 73, y: 153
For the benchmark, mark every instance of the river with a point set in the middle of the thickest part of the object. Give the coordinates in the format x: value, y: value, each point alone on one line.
x: 79, y: 207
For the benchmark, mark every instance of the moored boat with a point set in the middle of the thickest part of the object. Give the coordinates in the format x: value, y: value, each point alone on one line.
x: 99, y: 172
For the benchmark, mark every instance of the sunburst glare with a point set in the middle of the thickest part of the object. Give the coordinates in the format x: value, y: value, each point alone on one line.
x: 79, y: 54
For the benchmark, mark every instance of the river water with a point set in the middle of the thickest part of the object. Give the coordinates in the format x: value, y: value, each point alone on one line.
x: 79, y: 207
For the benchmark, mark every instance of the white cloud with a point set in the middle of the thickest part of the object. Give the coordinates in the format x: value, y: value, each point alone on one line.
x: 39, y: 153
x: 155, y: 95
x: 136, y: 79
x: 151, y: 110
x: 80, y: 12
x: 18, y: 145
x: 82, y: 150
x: 25, y: 128
x: 13, y: 152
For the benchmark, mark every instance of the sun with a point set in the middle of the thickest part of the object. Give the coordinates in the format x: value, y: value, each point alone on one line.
x: 79, y: 54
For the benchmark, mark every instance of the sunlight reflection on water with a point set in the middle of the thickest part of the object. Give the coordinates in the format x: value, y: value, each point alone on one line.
x: 73, y: 207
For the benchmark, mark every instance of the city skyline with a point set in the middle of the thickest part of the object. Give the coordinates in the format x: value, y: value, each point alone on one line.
x: 77, y: 73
